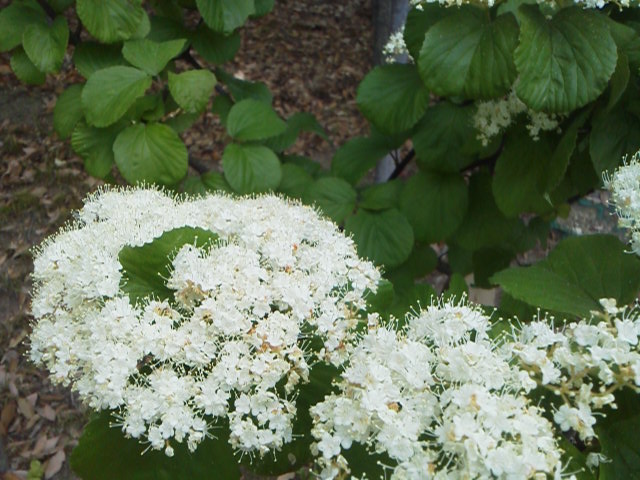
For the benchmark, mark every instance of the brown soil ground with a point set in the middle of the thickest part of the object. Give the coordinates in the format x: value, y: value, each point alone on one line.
x: 311, y: 54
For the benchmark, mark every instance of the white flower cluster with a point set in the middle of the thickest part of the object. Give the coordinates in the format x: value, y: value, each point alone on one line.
x: 625, y: 195
x: 395, y: 47
x: 235, y: 339
x: 584, y: 363
x: 444, y: 401
x: 440, y: 399
x: 489, y: 3
x: 493, y: 117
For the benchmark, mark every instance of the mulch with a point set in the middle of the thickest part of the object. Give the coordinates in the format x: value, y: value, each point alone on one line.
x: 311, y: 54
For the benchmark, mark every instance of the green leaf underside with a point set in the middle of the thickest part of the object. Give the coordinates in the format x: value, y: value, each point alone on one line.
x: 68, y: 111
x: 250, y: 168
x: 393, y: 97
x: 564, y: 62
x: 151, y: 56
x: 225, y: 15
x: 334, y: 196
x: 252, y: 119
x: 192, y: 89
x: 15, y: 18
x: 468, y: 54
x: 110, y: 92
x: 435, y: 204
x: 104, y: 453
x: 386, y: 237
x: 46, y: 45
x: 575, y: 275
x: 145, y: 269
x: 150, y: 153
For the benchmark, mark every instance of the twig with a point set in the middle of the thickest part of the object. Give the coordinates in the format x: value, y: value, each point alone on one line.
x: 402, y: 165
x: 51, y: 13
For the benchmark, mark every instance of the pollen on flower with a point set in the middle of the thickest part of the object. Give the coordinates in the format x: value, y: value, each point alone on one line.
x: 236, y: 325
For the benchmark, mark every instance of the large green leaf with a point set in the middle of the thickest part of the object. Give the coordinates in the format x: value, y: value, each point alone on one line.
x: 215, y: 47
x: 484, y: 225
x: 468, y: 54
x: 89, y: 57
x: 150, y: 153
x: 146, y: 268
x: 192, y: 89
x: 356, y: 157
x: 564, y: 62
x: 68, y: 110
x: 110, y: 92
x: 335, y: 197
x: 381, y: 196
x: 243, y: 89
x: 46, y: 44
x: 15, y: 18
x: 417, y: 24
x: 151, y: 56
x: 104, y: 453
x: 445, y: 138
x: 393, y: 97
x: 251, y: 168
x: 618, y: 437
x: 521, y: 172
x: 295, y: 180
x: 384, y: 237
x: 575, y: 275
x: 111, y: 21
x: 613, y: 135
x: 24, y: 69
x: 254, y: 120
x: 95, y: 146
x: 435, y: 204
x: 225, y: 15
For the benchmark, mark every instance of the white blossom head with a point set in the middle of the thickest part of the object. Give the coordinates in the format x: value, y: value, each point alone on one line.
x: 222, y: 328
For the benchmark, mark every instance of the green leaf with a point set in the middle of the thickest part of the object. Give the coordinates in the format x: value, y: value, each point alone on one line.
x: 356, y: 157
x: 89, y: 57
x: 215, y: 47
x: 420, y: 263
x: 393, y: 97
x: 149, y: 108
x: 575, y: 275
x: 111, y: 21
x: 619, y: 80
x: 225, y: 15
x: 192, y: 89
x: 110, y: 92
x: 221, y: 106
x: 263, y: 7
x: 243, y: 89
x: 488, y: 261
x: 253, y: 120
x: 151, y: 153
x: 445, y: 138
x: 46, y: 45
x: 151, y: 56
x: 169, y: 27
x: 104, y: 453
x: 25, y: 70
x: 207, y: 182
x: 381, y: 196
x: 520, y: 174
x: 15, y: 18
x: 335, y: 197
x: 435, y: 204
x: 146, y: 268
x: 95, y: 146
x: 68, y: 111
x: 484, y: 225
x: 618, y: 437
x: 468, y: 54
x: 613, y: 135
x: 295, y: 180
x: 251, y: 168
x: 386, y: 237
x: 457, y: 288
x: 296, y: 123
x: 312, y: 167
x: 564, y: 62
x: 418, y: 23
